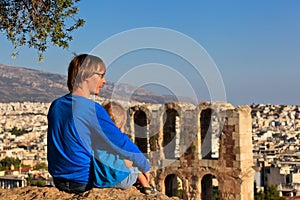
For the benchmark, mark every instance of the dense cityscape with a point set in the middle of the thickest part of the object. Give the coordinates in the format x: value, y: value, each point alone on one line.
x: 276, y: 133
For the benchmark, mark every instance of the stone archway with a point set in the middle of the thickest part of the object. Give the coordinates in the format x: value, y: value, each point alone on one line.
x: 171, y: 134
x: 209, y: 187
x: 211, y: 131
x: 205, y: 119
x: 233, y: 167
x: 141, y: 130
x: 211, y: 121
x: 173, y: 186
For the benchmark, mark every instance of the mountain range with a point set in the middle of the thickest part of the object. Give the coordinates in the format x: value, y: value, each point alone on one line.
x: 18, y: 84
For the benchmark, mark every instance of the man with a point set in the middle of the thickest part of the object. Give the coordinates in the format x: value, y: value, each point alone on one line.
x: 78, y: 127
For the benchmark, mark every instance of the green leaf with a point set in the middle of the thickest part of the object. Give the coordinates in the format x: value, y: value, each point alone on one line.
x: 39, y: 23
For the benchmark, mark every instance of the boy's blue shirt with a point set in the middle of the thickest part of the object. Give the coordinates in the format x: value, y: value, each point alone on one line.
x: 79, y: 127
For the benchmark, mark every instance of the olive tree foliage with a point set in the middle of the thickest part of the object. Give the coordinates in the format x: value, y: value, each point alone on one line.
x: 36, y: 23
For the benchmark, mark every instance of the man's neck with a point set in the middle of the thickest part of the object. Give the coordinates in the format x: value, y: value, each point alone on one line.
x: 81, y: 92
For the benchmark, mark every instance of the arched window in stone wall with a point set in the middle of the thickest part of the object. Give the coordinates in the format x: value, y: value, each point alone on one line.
x: 205, y: 119
x: 173, y: 186
x: 141, y: 130
x: 171, y: 134
x: 210, y: 134
x: 209, y: 187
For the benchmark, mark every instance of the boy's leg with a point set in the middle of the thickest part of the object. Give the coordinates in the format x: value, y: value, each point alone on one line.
x: 142, y: 180
x: 129, y: 180
x: 144, y: 185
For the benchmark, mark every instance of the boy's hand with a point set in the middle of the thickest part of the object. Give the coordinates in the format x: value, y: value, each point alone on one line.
x: 128, y: 163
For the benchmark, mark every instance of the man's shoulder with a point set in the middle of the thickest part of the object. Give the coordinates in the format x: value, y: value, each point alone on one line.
x: 59, y: 99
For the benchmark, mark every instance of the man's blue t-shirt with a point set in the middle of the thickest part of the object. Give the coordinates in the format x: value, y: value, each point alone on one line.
x: 78, y: 127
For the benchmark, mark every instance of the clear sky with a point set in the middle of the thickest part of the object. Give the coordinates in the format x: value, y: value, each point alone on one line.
x: 255, y: 44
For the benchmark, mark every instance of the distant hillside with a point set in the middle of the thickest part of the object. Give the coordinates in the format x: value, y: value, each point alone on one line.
x: 19, y: 84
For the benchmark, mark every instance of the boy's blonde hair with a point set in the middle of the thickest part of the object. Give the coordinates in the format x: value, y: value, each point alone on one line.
x: 117, y: 113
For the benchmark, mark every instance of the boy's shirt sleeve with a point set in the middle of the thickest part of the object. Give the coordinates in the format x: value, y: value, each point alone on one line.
x: 119, y: 142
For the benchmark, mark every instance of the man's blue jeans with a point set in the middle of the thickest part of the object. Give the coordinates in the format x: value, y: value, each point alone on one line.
x: 70, y: 186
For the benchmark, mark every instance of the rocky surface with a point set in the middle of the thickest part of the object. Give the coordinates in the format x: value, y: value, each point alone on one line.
x: 49, y: 193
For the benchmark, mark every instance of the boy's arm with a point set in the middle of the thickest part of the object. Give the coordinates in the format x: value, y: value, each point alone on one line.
x: 120, y: 142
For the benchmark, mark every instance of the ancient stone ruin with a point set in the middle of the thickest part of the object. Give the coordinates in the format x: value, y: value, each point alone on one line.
x: 195, y: 149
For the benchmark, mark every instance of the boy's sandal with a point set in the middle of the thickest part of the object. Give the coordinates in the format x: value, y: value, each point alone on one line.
x: 148, y: 190
x: 138, y: 186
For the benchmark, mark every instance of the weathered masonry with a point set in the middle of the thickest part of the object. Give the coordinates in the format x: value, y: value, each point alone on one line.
x: 8, y: 182
x: 194, y: 150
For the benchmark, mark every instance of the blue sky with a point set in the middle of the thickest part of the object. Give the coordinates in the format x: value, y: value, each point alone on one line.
x: 254, y: 44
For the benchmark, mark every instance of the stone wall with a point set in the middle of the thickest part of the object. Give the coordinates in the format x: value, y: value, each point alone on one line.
x: 196, y: 148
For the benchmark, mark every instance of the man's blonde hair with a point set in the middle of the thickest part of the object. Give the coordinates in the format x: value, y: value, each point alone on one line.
x: 82, y: 67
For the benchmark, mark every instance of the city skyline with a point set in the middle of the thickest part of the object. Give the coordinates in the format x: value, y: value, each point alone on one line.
x: 254, y: 45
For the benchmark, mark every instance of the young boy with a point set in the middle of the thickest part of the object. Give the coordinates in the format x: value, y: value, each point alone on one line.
x: 118, y: 116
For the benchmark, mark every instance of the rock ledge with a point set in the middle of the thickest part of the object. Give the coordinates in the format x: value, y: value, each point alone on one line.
x: 49, y: 193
